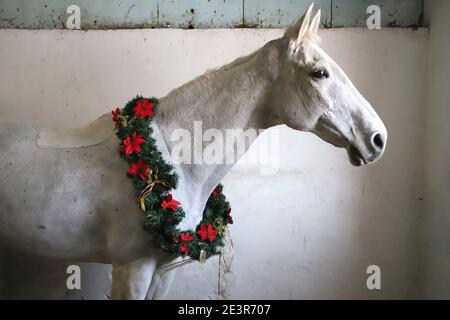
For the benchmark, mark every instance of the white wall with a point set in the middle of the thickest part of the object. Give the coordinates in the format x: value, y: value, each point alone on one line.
x: 308, y: 232
x: 436, y: 237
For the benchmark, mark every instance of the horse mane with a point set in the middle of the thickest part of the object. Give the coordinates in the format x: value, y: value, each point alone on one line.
x: 215, y: 73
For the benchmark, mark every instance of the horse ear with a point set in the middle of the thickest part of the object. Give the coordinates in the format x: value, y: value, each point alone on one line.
x: 298, y: 31
x: 315, y: 24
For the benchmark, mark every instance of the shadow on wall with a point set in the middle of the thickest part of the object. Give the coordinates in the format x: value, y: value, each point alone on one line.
x: 436, y: 236
x: 46, y: 278
x: 2, y: 275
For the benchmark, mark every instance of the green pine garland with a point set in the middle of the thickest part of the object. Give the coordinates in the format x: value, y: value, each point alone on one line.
x: 162, y: 212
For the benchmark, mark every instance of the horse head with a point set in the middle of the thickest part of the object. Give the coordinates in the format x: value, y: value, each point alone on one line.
x: 318, y: 97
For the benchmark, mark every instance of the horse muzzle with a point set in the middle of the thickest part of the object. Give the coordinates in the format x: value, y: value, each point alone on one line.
x: 370, y: 152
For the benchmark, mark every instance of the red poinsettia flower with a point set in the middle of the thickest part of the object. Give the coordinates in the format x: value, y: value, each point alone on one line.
x: 115, y: 116
x: 207, y: 232
x: 184, y: 249
x: 216, y: 191
x: 170, y: 203
x: 229, y: 217
x: 133, y: 144
x: 139, y: 169
x: 186, y: 237
x: 144, y: 108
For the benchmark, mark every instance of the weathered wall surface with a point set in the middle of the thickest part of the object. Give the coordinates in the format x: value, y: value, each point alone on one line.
x: 436, y: 218
x: 311, y: 230
x: 113, y: 14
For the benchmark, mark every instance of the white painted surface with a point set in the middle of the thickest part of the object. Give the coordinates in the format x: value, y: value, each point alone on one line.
x: 436, y: 237
x: 308, y: 232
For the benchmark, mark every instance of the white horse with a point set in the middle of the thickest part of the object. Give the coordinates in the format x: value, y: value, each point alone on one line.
x: 78, y: 203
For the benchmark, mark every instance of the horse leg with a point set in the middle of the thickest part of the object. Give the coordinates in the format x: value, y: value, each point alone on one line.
x: 161, y: 282
x: 131, y: 281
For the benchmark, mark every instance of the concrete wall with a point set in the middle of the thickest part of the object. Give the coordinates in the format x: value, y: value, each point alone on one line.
x: 436, y: 218
x: 311, y: 230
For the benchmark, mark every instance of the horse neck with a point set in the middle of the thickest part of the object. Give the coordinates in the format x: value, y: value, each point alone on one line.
x: 225, y: 98
x: 232, y: 97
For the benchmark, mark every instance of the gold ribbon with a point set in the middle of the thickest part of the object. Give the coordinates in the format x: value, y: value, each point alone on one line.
x: 225, y: 261
x: 151, y: 183
x: 202, y: 258
x: 123, y: 122
x: 220, y: 226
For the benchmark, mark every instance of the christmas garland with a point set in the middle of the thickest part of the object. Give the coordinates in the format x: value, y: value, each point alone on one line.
x: 153, y: 179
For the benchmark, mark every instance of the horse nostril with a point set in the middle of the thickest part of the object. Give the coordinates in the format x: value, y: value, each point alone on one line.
x: 377, y: 141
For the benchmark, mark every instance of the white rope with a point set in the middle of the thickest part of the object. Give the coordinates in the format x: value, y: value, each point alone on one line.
x: 225, y: 261
x: 176, y: 264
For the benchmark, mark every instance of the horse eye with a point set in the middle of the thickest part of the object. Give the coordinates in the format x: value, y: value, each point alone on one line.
x: 320, y: 74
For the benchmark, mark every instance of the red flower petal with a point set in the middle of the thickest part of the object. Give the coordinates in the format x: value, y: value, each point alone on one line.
x: 184, y: 249
x: 115, y: 116
x: 229, y: 217
x: 186, y: 237
x: 202, y: 232
x: 139, y: 169
x: 212, y: 234
x: 133, y: 144
x: 144, y: 108
x: 170, y: 203
x: 207, y: 232
x: 216, y: 191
